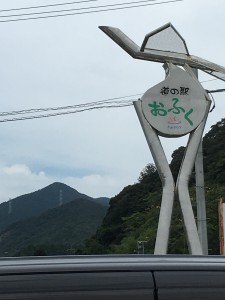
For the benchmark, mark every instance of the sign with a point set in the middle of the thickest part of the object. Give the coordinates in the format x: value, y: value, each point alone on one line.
x: 176, y: 106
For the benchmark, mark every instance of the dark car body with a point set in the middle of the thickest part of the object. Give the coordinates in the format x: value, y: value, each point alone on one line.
x: 139, y: 277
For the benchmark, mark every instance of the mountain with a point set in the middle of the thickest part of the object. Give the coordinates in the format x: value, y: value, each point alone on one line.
x: 101, y: 200
x: 34, y: 204
x: 133, y: 214
x: 56, y: 231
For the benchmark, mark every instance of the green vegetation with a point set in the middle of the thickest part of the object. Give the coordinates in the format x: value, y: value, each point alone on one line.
x: 61, y: 230
x: 77, y: 227
x: 54, y: 220
x: 133, y: 214
x: 36, y: 203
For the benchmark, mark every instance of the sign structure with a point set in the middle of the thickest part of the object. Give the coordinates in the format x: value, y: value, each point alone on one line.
x: 176, y: 106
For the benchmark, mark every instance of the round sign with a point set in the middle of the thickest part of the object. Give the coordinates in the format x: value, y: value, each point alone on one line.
x: 175, y: 106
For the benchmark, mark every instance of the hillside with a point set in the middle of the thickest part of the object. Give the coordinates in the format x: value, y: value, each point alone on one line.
x: 34, y: 204
x: 133, y: 213
x: 57, y: 231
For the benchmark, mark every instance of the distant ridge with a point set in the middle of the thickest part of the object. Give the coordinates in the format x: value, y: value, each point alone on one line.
x: 35, y: 203
x: 56, y: 231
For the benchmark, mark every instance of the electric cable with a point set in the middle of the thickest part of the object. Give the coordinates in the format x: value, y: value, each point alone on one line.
x: 89, y: 12
x: 115, y: 102
x: 214, y: 103
x: 215, y: 91
x: 210, y: 93
x: 209, y: 80
x: 64, y: 113
x: 75, y: 9
x: 87, y: 104
x: 44, y: 6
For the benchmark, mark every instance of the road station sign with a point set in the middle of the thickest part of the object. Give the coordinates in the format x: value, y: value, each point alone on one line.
x: 175, y: 106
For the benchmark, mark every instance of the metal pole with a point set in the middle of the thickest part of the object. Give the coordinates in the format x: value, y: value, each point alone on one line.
x: 200, y: 195
x: 193, y: 240
x: 194, y: 244
x: 158, y: 154
x: 200, y: 199
x: 221, y: 226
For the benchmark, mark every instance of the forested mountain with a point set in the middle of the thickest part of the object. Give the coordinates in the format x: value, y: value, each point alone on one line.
x: 57, y: 231
x: 131, y: 216
x: 34, y: 204
x: 133, y: 213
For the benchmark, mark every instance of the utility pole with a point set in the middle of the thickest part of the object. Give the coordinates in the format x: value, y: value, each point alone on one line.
x: 200, y: 199
x: 60, y: 197
x: 200, y: 196
x: 10, y: 207
x: 222, y: 226
x: 141, y: 247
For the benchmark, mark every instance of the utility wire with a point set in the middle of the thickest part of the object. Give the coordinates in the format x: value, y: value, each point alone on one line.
x: 64, y: 113
x: 29, y: 114
x: 215, y: 91
x: 76, y: 9
x: 213, y: 101
x: 38, y: 110
x: 106, y: 103
x: 87, y: 104
x: 209, y: 80
x: 49, y: 5
x: 89, y: 12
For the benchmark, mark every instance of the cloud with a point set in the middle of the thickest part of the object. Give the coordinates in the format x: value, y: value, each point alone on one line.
x: 19, y: 179
x: 16, y: 170
x: 95, y: 185
x: 98, y: 152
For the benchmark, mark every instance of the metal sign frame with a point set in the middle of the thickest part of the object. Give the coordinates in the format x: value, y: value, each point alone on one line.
x: 170, y: 190
x: 162, y: 56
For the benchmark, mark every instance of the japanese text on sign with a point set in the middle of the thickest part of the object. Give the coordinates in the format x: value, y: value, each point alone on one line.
x: 181, y: 91
x: 159, y: 109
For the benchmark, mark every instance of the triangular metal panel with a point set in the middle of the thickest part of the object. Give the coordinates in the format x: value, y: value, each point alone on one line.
x: 166, y: 39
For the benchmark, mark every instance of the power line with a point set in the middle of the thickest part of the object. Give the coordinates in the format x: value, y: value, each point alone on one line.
x: 44, y: 6
x: 34, y: 113
x: 211, y: 80
x: 89, y: 12
x: 115, y: 102
x: 75, y: 9
x: 106, y: 103
x: 64, y: 113
x: 215, y: 91
x: 87, y: 104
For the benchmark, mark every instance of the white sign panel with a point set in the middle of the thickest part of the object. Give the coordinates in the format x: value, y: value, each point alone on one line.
x: 176, y: 106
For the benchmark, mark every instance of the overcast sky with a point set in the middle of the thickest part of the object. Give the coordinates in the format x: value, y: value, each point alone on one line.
x: 68, y: 60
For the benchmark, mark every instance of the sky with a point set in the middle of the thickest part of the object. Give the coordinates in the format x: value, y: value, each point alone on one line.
x: 65, y: 61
